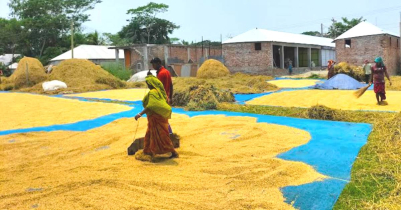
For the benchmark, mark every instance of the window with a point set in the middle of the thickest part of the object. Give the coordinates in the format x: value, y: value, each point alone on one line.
x: 347, y: 43
x: 139, y: 66
x: 258, y: 46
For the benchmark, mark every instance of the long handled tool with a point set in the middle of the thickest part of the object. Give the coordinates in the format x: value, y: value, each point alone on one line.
x: 361, y: 91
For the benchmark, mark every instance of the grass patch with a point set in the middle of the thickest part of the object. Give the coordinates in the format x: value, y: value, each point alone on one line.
x: 376, y: 173
x: 117, y: 70
x: 316, y: 76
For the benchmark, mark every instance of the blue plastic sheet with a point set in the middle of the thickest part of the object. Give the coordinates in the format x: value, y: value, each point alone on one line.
x: 340, y: 82
x: 332, y: 150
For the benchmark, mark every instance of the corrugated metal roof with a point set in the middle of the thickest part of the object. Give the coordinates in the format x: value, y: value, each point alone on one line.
x: 262, y: 35
x: 364, y: 29
x: 91, y: 52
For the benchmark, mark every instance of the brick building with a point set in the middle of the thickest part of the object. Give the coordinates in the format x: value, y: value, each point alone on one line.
x: 366, y: 41
x: 260, y: 51
x: 185, y: 60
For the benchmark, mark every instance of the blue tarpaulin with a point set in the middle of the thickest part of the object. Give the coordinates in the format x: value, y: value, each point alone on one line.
x: 340, y: 82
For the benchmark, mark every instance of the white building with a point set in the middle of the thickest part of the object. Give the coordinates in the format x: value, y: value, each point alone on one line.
x: 96, y: 53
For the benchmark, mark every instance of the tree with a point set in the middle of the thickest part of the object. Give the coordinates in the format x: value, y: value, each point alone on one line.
x: 207, y: 43
x: 338, y: 28
x: 174, y: 40
x: 312, y: 33
x: 11, y: 35
x: 95, y: 39
x: 114, y: 39
x: 145, y: 24
x: 47, y: 21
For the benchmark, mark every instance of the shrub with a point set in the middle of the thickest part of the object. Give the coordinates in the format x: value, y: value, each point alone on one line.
x: 117, y: 70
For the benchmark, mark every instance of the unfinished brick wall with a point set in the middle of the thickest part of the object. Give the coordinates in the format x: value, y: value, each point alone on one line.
x: 156, y: 51
x: 242, y: 57
x: 368, y: 48
x: 136, y: 58
x: 179, y: 53
x: 392, y: 55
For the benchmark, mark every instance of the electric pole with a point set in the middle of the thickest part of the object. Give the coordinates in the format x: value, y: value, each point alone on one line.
x: 321, y: 30
x: 72, y: 39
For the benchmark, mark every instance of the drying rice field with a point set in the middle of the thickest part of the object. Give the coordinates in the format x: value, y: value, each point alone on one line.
x: 336, y: 99
x: 234, y: 166
x: 223, y: 165
x: 119, y: 94
x: 23, y: 110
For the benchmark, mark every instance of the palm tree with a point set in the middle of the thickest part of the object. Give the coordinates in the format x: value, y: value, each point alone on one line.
x: 95, y: 39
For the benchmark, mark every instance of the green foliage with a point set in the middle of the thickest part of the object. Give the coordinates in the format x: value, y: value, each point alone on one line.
x: 315, y: 76
x: 312, y: 33
x: 145, y: 27
x: 11, y: 35
x: 207, y: 43
x: 114, y: 39
x: 46, y: 23
x: 338, y: 28
x: 117, y: 70
x: 95, y: 39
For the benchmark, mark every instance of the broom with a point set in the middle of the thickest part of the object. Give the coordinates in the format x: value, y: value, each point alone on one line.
x: 361, y: 91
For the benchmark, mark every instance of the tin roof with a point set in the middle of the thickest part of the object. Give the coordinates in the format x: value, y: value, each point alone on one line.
x: 263, y: 35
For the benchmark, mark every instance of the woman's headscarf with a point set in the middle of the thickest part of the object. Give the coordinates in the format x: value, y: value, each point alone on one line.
x: 156, y: 99
x: 330, y: 64
x: 379, y: 60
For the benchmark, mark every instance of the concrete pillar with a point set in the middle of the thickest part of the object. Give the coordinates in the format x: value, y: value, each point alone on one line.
x: 296, y: 58
x: 320, y: 58
x: 117, y: 56
x: 145, y: 58
x: 282, y: 57
x: 309, y: 57
x: 189, y: 53
x: 166, y: 55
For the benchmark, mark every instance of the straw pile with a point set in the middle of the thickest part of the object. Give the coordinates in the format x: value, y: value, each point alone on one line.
x: 212, y: 69
x: 200, y: 97
x: 204, y: 94
x: 78, y: 170
x: 83, y: 75
x: 36, y: 75
x: 355, y: 72
x: 321, y: 112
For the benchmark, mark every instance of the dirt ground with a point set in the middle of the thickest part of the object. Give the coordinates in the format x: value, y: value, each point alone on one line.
x: 223, y: 165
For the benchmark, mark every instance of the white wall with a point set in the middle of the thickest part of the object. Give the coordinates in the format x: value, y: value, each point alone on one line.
x: 328, y: 55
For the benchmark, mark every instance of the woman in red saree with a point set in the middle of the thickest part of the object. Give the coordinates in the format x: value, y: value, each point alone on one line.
x: 330, y: 68
x: 377, y: 77
x: 157, y: 139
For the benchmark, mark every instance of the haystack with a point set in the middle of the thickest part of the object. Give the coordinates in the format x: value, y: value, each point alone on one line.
x: 212, y: 69
x: 355, y: 72
x: 83, y: 75
x: 36, y: 73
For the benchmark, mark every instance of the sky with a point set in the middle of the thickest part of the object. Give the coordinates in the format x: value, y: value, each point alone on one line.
x: 227, y: 18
